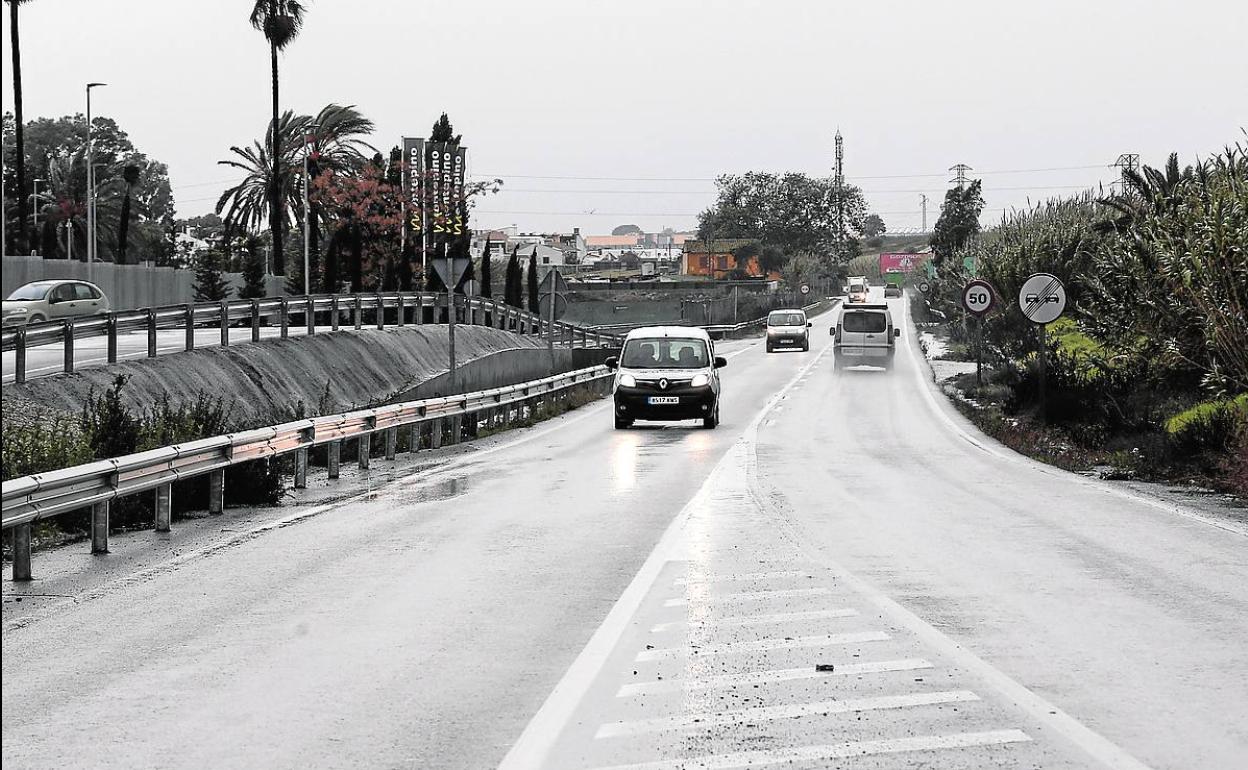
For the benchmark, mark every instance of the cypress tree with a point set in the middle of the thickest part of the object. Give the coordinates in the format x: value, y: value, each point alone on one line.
x: 513, y: 292
x: 486, y: 274
x: 533, y: 304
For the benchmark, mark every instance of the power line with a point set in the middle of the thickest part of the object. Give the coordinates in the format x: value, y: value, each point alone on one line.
x: 712, y: 179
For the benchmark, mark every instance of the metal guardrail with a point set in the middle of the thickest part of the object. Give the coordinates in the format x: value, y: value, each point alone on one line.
x: 338, y: 307
x: 95, y: 485
x: 710, y: 328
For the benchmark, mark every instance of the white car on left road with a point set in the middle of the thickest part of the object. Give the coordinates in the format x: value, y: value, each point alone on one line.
x: 53, y: 301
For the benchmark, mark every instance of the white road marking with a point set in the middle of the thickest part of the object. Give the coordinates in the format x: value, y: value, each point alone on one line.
x: 759, y: 645
x: 833, y: 751
x: 746, y: 596
x: 728, y: 578
x: 792, y: 711
x: 1000, y: 451
x: 535, y: 743
x: 754, y: 620
x: 768, y: 677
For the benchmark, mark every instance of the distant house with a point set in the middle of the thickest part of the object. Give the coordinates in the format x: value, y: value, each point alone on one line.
x: 573, y: 246
x: 715, y: 261
x: 598, y: 242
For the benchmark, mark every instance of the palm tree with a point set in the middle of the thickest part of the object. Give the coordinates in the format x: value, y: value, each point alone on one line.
x: 130, y: 174
x: 336, y: 145
x: 19, y: 166
x: 280, y: 21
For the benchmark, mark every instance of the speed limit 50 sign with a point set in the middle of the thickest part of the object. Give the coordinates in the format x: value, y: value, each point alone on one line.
x: 978, y: 297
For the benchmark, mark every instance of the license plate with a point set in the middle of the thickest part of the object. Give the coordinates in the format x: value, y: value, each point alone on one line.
x: 786, y: 342
x: 852, y: 351
x: 653, y: 400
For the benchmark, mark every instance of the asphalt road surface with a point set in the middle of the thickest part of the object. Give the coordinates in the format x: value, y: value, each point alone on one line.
x: 844, y: 574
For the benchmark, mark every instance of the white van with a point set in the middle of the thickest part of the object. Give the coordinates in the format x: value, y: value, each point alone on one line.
x: 865, y: 335
x: 859, y: 289
x: 788, y: 329
x: 667, y: 373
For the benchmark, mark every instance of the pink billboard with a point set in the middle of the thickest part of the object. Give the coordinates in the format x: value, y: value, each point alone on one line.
x: 900, y: 263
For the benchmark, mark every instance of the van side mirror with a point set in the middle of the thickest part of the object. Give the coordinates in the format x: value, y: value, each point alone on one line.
x: 810, y: 324
x: 612, y: 363
x: 832, y: 330
x: 896, y: 332
x: 720, y: 362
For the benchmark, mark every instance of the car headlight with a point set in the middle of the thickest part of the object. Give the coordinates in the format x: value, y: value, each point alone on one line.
x: 628, y: 380
x: 699, y: 380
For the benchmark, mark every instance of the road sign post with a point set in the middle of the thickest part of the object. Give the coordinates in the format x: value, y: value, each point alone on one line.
x: 979, y: 298
x: 552, y: 304
x: 1042, y: 299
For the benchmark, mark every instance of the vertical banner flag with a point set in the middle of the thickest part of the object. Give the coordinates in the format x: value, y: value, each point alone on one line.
x: 413, y: 189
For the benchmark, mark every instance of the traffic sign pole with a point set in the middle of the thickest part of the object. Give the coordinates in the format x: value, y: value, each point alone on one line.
x: 1042, y: 299
x: 1044, y: 369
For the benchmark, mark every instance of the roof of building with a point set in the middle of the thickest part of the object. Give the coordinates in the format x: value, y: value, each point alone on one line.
x: 718, y: 246
x: 612, y: 241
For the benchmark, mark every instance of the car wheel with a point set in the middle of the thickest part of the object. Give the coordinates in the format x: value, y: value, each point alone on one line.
x: 623, y: 423
x: 770, y: 349
x: 36, y: 319
x: 806, y: 346
x: 711, y: 422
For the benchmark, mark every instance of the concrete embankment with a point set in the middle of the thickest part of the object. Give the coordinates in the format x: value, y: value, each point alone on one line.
x: 271, y: 380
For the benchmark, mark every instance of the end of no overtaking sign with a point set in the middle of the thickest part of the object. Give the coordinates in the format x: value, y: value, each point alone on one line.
x: 1042, y: 298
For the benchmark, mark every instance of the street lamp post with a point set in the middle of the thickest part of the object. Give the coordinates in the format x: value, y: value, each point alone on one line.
x: 90, y: 181
x: 307, y: 215
x: 36, y: 216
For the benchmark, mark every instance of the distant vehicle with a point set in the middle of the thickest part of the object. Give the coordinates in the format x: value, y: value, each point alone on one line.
x: 865, y: 335
x: 859, y: 289
x: 788, y: 329
x: 892, y: 290
x: 667, y: 373
x: 53, y: 300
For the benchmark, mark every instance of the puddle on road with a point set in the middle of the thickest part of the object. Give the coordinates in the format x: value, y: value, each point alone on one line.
x: 432, y: 491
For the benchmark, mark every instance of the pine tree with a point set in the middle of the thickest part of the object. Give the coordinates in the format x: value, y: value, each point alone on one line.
x: 210, y: 286
x: 533, y: 304
x: 253, y: 271
x: 513, y: 291
x: 443, y: 132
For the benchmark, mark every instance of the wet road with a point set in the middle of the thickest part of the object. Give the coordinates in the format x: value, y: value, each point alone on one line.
x: 577, y: 597
x: 42, y: 360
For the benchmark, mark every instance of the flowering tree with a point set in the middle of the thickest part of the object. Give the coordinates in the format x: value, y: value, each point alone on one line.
x: 364, y: 212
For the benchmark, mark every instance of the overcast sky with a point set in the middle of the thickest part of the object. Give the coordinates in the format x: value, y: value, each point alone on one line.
x: 628, y: 108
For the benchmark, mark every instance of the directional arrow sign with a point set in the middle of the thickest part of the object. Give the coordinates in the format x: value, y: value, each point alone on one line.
x: 978, y: 297
x: 1042, y: 298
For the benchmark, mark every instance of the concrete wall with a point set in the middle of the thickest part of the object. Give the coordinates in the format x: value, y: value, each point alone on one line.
x: 128, y: 287
x: 269, y: 381
x: 507, y: 367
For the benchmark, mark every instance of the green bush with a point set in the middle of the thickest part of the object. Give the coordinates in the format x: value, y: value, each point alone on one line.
x: 1210, y: 426
x: 43, y: 445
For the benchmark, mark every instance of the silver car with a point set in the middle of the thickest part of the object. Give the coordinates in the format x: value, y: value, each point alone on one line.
x: 53, y: 301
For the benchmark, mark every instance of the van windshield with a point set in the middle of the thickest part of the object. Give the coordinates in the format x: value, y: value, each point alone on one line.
x: 665, y: 353
x: 786, y: 319
x: 871, y: 323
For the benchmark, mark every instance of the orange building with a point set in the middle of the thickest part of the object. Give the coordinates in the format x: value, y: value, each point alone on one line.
x: 718, y: 261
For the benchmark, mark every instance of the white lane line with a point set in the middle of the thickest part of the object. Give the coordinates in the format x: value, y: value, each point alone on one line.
x: 768, y: 677
x: 746, y: 596
x: 750, y: 716
x: 754, y: 620
x: 760, y: 645
x: 694, y: 580
x: 534, y: 744
x: 845, y: 750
